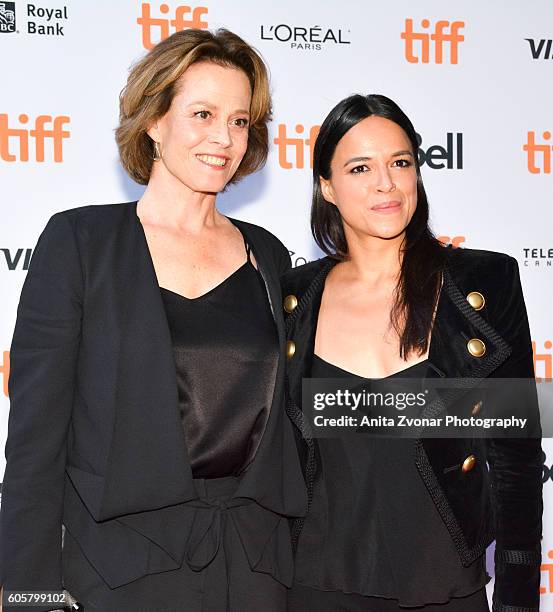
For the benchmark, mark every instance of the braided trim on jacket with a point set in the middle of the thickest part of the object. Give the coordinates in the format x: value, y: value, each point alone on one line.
x: 497, y: 607
x: 296, y: 416
x: 503, y: 351
x: 519, y: 557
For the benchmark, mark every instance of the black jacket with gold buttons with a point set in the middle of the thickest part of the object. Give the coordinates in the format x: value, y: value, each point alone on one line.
x: 483, y: 489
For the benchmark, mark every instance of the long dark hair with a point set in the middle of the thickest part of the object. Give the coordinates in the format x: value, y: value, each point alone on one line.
x: 423, y: 255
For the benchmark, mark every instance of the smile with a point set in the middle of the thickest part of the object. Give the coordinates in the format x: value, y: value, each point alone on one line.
x: 212, y: 160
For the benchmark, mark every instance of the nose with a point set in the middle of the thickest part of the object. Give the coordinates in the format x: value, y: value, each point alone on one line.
x: 384, y: 182
x: 220, y: 134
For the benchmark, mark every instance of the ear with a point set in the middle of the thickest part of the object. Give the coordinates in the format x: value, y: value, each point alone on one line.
x: 327, y: 191
x: 153, y: 131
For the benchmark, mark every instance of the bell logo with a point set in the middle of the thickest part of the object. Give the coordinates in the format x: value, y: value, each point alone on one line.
x: 39, y: 133
x: 435, y: 156
x: 185, y: 17
x: 543, y: 362
x: 5, y: 371
x: 444, y: 32
x: 532, y: 149
x: 297, y: 143
x: 454, y: 241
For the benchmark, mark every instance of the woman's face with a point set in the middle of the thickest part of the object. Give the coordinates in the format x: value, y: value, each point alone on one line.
x: 373, y: 179
x: 204, y: 134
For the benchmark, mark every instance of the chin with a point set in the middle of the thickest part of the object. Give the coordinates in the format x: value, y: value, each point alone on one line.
x: 208, y: 186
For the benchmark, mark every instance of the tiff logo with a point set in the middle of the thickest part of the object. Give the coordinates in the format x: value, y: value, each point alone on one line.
x: 185, y: 17
x: 40, y: 134
x: 20, y: 259
x: 5, y: 371
x: 536, y: 48
x: 454, y: 241
x: 297, y: 143
x: 445, y: 33
x: 543, y: 362
x: 544, y: 151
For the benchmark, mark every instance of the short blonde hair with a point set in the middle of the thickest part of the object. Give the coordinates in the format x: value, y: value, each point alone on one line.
x: 151, y: 87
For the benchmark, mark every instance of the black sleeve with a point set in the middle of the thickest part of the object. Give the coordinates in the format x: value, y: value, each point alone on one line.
x: 41, y: 386
x: 516, y: 470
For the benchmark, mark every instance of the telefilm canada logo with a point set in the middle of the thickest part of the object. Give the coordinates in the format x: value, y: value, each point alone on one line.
x: 7, y: 17
x: 537, y: 257
x: 301, y: 38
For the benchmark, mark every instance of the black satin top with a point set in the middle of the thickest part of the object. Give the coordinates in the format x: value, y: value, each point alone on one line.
x: 225, y: 346
x: 373, y: 529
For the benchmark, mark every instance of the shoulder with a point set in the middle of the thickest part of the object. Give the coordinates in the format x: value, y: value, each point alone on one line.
x: 96, y: 214
x: 90, y: 226
x: 265, y: 243
x: 297, y: 280
x: 480, y: 266
x: 259, y: 234
x: 496, y: 277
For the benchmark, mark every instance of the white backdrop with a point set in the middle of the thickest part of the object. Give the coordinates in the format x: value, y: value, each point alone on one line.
x: 475, y: 78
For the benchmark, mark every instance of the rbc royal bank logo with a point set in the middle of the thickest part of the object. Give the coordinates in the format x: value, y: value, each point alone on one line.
x: 184, y: 17
x: 7, y: 17
x: 428, y: 46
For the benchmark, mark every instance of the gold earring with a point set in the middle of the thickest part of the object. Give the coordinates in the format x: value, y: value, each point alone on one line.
x: 157, y: 152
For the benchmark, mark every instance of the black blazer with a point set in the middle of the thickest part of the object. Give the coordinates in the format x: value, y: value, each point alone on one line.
x: 477, y: 505
x: 95, y: 439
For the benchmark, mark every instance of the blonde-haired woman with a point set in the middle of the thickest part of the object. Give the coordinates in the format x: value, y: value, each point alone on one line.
x: 147, y: 365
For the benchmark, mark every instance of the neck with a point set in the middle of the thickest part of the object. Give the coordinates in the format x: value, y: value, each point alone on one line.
x: 167, y: 202
x: 375, y: 260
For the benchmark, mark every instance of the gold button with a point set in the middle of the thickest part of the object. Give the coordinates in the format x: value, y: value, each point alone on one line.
x: 476, y: 408
x: 290, y: 303
x: 468, y: 463
x: 476, y: 300
x: 476, y: 347
x: 290, y: 349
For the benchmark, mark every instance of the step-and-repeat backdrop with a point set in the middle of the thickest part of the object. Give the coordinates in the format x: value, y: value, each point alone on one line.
x: 475, y: 78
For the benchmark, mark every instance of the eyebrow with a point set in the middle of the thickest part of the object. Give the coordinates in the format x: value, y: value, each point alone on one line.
x: 396, y: 154
x: 210, y: 105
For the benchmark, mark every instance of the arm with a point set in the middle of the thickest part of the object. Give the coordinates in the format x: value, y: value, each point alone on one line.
x: 516, y: 473
x: 42, y: 379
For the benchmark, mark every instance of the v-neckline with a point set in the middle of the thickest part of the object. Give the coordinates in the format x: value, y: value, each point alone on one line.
x: 209, y: 291
x: 184, y: 297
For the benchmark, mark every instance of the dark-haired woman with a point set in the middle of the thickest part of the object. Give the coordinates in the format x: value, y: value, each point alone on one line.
x: 399, y: 523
